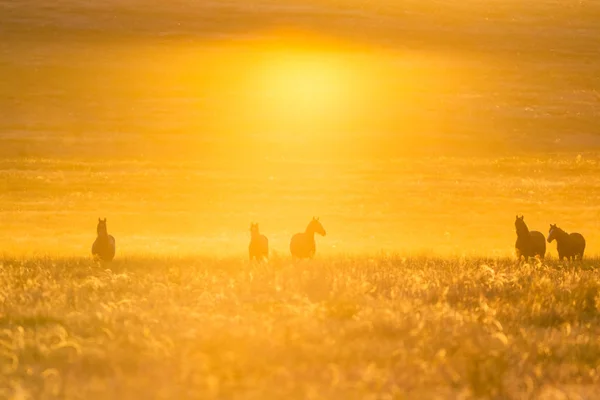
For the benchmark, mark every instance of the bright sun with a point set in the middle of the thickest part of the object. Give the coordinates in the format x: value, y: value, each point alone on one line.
x: 302, y: 90
x: 303, y: 85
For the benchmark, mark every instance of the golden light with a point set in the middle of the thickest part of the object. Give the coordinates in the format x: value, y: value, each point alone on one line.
x: 300, y: 87
x: 291, y: 91
x: 301, y: 91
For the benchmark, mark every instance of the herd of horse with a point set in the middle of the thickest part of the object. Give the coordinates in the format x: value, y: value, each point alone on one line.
x: 533, y: 243
x: 302, y: 245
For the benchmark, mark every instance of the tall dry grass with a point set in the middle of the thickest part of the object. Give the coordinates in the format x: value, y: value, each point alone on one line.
x: 340, y: 327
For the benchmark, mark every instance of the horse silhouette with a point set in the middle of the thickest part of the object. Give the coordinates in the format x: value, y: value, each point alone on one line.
x: 303, y: 244
x: 104, y: 246
x: 259, y: 244
x: 569, y: 245
x: 529, y: 243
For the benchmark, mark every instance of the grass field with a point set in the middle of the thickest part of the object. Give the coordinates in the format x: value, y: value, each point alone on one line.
x: 415, y: 130
x: 340, y: 327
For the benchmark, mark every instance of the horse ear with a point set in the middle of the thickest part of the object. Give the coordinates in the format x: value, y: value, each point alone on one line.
x: 99, y: 219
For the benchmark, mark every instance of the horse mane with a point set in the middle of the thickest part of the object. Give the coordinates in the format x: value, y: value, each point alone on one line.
x: 560, y: 231
x: 310, y: 227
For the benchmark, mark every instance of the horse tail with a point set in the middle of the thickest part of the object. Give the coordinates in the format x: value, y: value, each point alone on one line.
x: 582, y: 245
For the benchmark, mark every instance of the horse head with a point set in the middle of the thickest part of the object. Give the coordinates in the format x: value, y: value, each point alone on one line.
x: 520, y: 225
x: 552, y: 232
x: 316, y: 227
x: 101, y: 228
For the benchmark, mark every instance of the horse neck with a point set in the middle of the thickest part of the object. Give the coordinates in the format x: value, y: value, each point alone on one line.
x: 561, y: 235
x: 522, y: 230
x: 310, y: 232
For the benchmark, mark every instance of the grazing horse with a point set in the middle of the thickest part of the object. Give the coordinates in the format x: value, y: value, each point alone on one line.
x: 259, y: 244
x: 104, y: 245
x: 568, y: 245
x: 303, y: 245
x: 529, y: 243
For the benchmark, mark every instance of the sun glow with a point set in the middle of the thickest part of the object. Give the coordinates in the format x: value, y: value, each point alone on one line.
x: 301, y: 87
x: 314, y: 93
x: 296, y: 93
x: 302, y: 93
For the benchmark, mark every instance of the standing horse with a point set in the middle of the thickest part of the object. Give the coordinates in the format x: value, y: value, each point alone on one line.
x: 259, y: 244
x: 568, y: 245
x: 104, y: 246
x: 529, y: 243
x: 303, y: 245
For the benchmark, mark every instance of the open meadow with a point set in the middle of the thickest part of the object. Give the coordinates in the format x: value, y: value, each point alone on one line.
x: 379, y: 327
x: 415, y: 130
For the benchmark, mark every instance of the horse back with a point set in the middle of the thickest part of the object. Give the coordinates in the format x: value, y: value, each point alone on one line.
x: 537, y: 237
x: 264, y: 242
x: 104, y: 249
x: 297, y: 238
x: 531, y: 245
x: 538, y: 242
x: 259, y: 247
x: 301, y: 245
x: 578, y: 241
